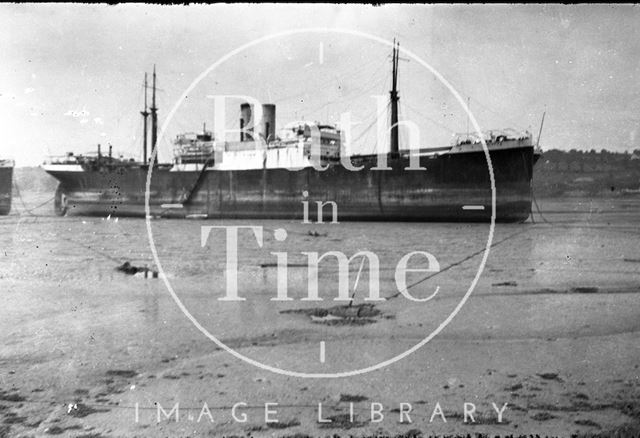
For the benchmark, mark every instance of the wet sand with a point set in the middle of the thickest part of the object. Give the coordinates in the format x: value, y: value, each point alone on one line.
x: 550, y: 329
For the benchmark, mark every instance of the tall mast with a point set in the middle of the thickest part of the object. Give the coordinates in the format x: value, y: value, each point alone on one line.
x: 154, y: 116
x: 394, y: 100
x: 540, y: 132
x: 145, y: 115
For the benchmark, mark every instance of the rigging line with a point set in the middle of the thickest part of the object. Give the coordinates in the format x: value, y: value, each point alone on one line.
x: 402, y: 143
x: 366, y: 130
x: 383, y: 81
x: 131, y: 144
x: 479, y: 102
x: 322, y: 85
x: 335, y: 78
x: 380, y: 82
x: 181, y: 127
x: 435, y: 122
x: 387, y: 81
x: 371, y: 88
x: 359, y: 91
x: 501, y: 116
x: 371, y: 115
x: 428, y: 118
x: 368, y: 117
x: 380, y: 65
x: 379, y: 76
x: 167, y: 144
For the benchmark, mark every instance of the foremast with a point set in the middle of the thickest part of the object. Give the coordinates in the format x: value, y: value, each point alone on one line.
x: 145, y: 116
x: 395, y: 149
x: 154, y: 120
x: 153, y: 112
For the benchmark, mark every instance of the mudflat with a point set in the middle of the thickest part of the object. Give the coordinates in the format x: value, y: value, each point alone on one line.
x: 550, y: 329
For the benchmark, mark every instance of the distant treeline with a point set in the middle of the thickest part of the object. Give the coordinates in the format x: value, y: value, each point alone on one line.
x: 582, y: 173
x: 557, y: 173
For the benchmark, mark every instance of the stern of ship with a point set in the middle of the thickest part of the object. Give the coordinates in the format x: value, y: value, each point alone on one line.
x: 6, y: 183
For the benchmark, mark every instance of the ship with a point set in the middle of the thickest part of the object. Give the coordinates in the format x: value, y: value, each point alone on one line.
x: 6, y: 179
x: 302, y: 173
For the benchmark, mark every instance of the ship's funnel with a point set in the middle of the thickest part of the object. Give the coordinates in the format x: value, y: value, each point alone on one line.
x: 263, y: 129
x: 268, y: 122
x: 246, y: 124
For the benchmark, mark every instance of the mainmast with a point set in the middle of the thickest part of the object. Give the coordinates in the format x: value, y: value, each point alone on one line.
x: 540, y: 132
x: 145, y: 115
x: 394, y: 100
x: 154, y: 117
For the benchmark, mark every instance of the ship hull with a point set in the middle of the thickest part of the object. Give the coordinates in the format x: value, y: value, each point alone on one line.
x: 6, y: 177
x: 454, y: 187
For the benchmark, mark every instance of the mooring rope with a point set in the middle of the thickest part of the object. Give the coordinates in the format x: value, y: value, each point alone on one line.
x: 535, y: 202
x: 24, y: 205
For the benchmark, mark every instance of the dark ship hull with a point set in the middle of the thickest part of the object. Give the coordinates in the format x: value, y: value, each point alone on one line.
x: 6, y: 178
x: 455, y: 187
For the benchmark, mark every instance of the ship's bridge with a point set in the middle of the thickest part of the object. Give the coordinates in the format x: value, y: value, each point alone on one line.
x: 311, y: 133
x: 192, y: 147
x: 305, y: 128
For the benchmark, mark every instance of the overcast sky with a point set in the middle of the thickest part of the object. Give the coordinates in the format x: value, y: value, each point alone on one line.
x: 71, y: 75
